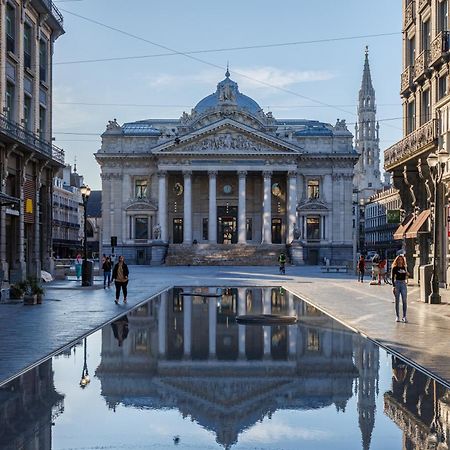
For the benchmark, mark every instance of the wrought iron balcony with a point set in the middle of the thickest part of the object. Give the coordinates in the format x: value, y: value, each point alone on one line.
x: 421, y: 64
x: 439, y: 47
x: 18, y: 133
x: 410, y: 14
x: 406, y: 79
x: 52, y: 9
x: 411, y: 145
x: 423, y: 3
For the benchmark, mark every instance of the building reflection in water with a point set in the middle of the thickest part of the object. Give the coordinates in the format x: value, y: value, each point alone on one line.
x: 420, y: 406
x: 184, y: 350
x: 28, y: 406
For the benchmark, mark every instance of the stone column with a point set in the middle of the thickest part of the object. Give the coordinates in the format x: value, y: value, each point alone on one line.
x: 242, y: 307
x: 212, y: 330
x: 342, y: 208
x: 37, y: 230
x: 293, y: 329
x: 242, y: 219
x: 267, y: 209
x: 187, y: 220
x: 291, y: 205
x: 162, y: 204
x: 267, y: 309
x: 187, y: 325
x: 212, y: 218
x: 162, y: 324
x: 21, y: 241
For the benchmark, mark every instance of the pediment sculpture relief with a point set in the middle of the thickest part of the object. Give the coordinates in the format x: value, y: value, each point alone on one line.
x: 141, y: 205
x: 312, y: 205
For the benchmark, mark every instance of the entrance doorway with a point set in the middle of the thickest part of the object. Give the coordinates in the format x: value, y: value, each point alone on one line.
x: 276, y: 231
x: 178, y: 231
x: 226, y: 224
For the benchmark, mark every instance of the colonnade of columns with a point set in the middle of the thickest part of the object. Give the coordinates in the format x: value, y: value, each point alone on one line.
x: 212, y: 324
x: 242, y: 212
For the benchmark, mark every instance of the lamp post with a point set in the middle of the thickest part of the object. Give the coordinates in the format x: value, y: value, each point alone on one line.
x: 436, y: 162
x: 85, y: 379
x: 85, y: 269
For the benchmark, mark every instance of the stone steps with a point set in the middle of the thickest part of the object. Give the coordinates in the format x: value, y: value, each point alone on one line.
x: 224, y: 255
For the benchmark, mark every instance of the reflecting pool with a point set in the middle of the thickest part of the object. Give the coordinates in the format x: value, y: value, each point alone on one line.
x: 179, y: 371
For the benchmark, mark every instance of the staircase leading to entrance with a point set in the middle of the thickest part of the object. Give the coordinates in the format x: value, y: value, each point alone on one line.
x: 224, y: 254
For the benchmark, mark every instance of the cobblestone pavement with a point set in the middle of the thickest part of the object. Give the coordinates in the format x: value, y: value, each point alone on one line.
x: 29, y: 334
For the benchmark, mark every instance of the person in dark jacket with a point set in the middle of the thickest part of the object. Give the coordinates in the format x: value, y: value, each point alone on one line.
x: 361, y: 268
x: 120, y: 276
x: 120, y: 329
x: 107, y: 266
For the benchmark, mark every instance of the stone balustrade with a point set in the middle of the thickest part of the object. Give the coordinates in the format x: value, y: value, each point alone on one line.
x: 410, y: 14
x: 439, y: 46
x: 406, y: 79
x: 421, y: 64
x: 411, y: 145
x: 423, y: 3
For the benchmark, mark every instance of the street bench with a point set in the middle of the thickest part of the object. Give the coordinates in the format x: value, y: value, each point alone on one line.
x: 328, y: 269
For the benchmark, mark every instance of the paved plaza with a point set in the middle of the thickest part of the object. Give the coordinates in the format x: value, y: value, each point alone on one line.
x: 30, y: 333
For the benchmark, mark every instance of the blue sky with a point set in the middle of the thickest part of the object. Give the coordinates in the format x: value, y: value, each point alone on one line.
x: 329, y: 72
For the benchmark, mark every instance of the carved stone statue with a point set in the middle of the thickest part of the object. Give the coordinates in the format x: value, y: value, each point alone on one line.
x: 157, y: 231
x: 297, y: 232
x: 112, y: 125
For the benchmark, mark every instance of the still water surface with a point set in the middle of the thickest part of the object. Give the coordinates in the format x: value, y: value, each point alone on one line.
x: 178, y: 372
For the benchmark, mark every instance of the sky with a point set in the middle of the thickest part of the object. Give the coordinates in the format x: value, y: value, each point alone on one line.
x: 302, y: 79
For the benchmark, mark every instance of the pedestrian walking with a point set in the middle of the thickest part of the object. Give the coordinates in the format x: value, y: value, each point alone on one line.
x: 120, y: 277
x: 282, y: 262
x: 120, y: 329
x: 376, y: 269
x: 78, y: 264
x: 399, y: 280
x: 361, y: 268
x: 107, y: 266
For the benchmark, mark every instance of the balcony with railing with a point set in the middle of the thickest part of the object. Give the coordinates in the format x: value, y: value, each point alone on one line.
x: 50, y: 9
x: 406, y: 81
x: 18, y: 133
x: 410, y: 14
x: 413, y: 144
x: 439, y: 47
x: 421, y: 64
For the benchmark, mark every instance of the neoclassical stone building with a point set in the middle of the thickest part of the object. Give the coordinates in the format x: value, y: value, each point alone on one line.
x: 227, y: 178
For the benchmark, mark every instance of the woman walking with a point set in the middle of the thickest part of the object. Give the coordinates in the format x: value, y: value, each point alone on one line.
x: 361, y: 268
x: 399, y: 280
x: 120, y: 277
x: 78, y: 264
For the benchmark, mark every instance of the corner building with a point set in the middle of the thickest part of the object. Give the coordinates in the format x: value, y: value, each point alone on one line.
x: 227, y: 181
x: 28, y: 160
x: 424, y: 92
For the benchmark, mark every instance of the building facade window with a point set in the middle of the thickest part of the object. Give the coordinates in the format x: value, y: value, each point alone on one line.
x: 426, y: 106
x: 313, y: 228
x: 43, y: 60
x: 27, y: 112
x: 42, y: 122
x: 27, y: 46
x: 10, y: 100
x: 141, y: 189
x: 141, y: 228
x: 442, y: 15
x: 411, y: 117
x: 442, y: 86
x: 411, y: 51
x: 426, y: 34
x: 10, y: 28
x: 313, y: 189
x: 313, y: 344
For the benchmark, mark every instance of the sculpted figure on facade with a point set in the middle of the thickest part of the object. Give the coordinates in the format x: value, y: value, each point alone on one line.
x: 112, y: 125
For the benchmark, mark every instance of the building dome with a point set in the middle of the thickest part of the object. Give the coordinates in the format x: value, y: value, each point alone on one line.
x: 227, y: 94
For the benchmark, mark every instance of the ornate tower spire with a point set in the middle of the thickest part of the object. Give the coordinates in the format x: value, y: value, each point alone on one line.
x: 367, y: 178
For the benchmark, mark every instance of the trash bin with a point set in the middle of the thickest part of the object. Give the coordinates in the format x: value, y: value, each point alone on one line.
x: 425, y: 272
x: 87, y: 273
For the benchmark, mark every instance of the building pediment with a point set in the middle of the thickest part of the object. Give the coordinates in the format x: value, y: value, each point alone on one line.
x: 312, y: 205
x: 140, y: 205
x: 227, y: 137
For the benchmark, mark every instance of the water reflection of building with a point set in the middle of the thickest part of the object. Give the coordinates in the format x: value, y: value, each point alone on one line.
x: 187, y: 352
x: 28, y: 406
x: 420, y: 407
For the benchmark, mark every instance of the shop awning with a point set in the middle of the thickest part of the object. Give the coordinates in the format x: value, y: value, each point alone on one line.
x: 401, y: 230
x: 8, y: 200
x: 418, y: 224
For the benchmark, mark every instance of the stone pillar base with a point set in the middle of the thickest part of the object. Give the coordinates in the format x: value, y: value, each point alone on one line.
x: 297, y: 254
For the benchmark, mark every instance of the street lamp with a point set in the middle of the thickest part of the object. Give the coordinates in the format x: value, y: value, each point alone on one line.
x: 86, y: 268
x: 436, y: 162
x: 85, y: 379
